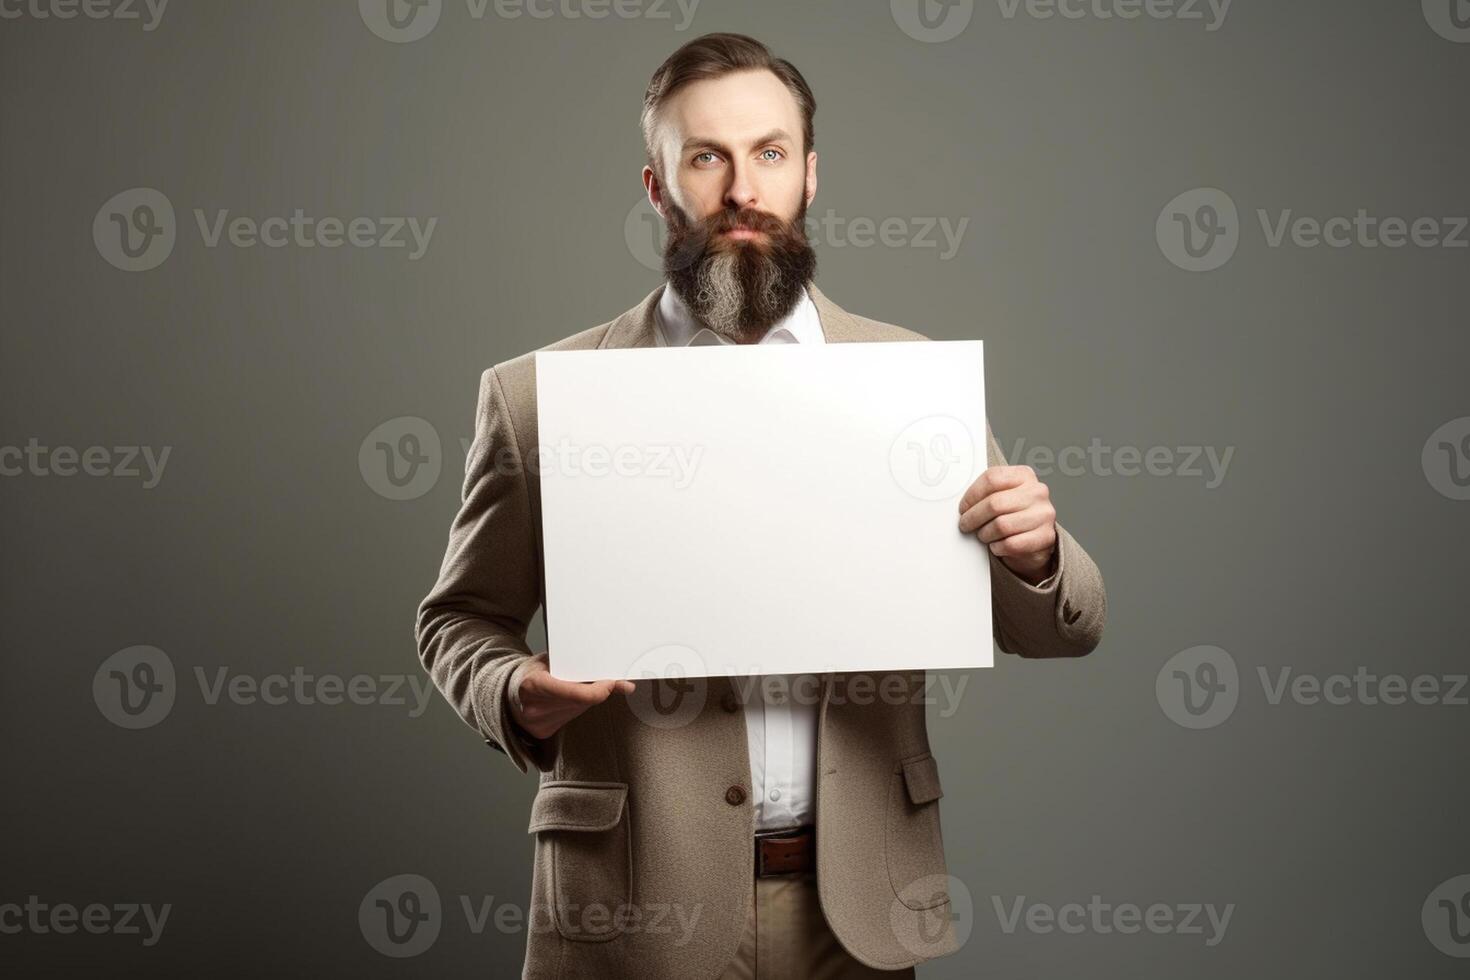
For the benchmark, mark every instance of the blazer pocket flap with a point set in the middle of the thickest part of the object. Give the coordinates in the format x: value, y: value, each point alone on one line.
x: 578, y: 806
x: 921, y: 776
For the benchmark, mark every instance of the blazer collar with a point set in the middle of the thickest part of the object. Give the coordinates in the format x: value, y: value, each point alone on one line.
x: 635, y: 327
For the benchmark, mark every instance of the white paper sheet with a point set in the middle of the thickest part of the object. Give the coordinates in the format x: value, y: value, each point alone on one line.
x: 762, y: 509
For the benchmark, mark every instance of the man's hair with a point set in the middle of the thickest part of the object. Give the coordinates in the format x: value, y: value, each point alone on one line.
x: 714, y: 55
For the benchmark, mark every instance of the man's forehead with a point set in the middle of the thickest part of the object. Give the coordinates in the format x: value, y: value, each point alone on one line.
x: 739, y: 107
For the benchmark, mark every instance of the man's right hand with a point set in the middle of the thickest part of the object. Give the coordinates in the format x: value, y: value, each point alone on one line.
x: 541, y: 704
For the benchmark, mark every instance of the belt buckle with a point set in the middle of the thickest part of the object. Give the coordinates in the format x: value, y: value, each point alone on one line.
x: 774, y: 835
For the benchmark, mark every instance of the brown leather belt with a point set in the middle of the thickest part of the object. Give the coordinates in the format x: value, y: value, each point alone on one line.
x: 784, y: 852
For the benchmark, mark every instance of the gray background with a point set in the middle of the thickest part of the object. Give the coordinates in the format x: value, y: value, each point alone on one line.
x: 265, y: 549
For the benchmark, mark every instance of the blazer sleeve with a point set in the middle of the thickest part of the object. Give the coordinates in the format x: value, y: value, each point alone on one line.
x: 471, y: 628
x: 1063, y: 615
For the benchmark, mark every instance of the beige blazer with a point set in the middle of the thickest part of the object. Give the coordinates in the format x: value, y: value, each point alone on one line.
x: 643, y: 852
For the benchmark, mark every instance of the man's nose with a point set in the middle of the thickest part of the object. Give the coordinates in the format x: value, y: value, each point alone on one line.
x: 742, y: 191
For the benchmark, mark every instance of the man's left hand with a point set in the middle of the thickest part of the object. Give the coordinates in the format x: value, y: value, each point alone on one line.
x: 1010, y: 510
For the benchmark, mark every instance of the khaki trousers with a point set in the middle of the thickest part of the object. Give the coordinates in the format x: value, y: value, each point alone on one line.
x: 787, y: 938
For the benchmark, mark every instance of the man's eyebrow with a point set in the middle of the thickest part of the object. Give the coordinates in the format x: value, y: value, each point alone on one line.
x: 701, y: 142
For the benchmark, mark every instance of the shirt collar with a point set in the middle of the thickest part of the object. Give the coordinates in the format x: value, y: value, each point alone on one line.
x: 675, y: 325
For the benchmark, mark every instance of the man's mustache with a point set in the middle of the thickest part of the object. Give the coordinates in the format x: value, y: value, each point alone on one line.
x: 690, y: 240
x: 750, y: 219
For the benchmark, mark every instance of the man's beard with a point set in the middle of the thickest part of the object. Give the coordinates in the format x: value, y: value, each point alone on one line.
x: 739, y: 288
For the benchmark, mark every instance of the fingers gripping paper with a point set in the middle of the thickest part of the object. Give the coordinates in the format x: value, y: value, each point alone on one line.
x: 762, y: 509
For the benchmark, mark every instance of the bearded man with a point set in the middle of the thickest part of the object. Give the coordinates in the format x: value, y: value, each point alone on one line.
x: 778, y: 833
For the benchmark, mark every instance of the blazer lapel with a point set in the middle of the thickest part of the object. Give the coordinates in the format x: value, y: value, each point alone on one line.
x: 838, y: 326
x: 635, y: 327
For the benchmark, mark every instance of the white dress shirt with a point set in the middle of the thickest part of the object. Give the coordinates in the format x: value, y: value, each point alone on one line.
x: 780, y: 710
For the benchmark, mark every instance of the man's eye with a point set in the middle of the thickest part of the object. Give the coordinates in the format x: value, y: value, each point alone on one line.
x: 770, y: 154
x: 705, y: 157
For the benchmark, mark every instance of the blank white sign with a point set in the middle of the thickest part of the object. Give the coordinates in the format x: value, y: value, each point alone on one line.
x: 762, y: 509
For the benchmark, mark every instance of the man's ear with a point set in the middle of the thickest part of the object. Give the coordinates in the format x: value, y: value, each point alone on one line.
x: 811, y: 176
x: 654, y: 189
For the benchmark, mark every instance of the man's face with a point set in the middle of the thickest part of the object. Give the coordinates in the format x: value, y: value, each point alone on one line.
x: 733, y: 185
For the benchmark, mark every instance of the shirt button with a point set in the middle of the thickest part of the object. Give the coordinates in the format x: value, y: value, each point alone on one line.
x: 730, y: 703
x: 775, y: 795
x: 735, y: 795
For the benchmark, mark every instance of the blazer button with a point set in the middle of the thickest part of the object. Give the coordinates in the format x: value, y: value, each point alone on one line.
x: 735, y: 795
x: 730, y: 702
